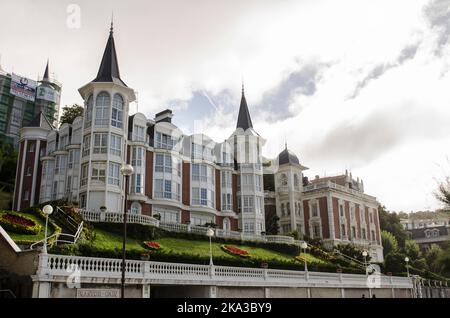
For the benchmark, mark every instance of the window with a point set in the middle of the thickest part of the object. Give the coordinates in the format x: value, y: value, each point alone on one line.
x: 100, y: 143
x: 55, y: 190
x: 364, y: 234
x: 135, y: 208
x: 137, y: 155
x: 138, y: 133
x: 341, y: 210
x: 70, y: 159
x: 226, y: 201
x: 29, y: 170
x: 102, y: 109
x: 84, y: 174
x: 32, y: 147
x: 167, y: 189
x: 136, y: 181
x: 202, y: 173
x: 249, y: 227
x: 116, y: 145
x: 249, y: 205
x: 288, y: 208
x: 226, y: 179
x: 89, y: 106
x: 247, y: 181
x: 295, y: 180
x: 164, y: 141
x: 117, y: 111
x: 200, y: 220
x: 163, y: 163
x: 196, y: 151
x: 83, y: 201
x: 370, y: 217
x: 362, y: 212
x: 202, y: 196
x: 314, y: 211
x: 168, y: 216
x: 373, y: 235
x: 316, y: 230
x: 353, y: 232
x: 114, y: 173
x: 258, y: 183
x: 258, y: 205
x: 26, y: 195
x: 98, y: 172
x: 86, y: 145
x: 343, y: 230
x: 60, y: 164
x: 282, y: 209
x: 69, y: 184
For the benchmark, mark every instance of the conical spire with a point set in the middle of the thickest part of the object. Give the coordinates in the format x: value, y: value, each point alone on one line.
x: 109, y: 67
x: 244, y: 120
x: 46, y: 77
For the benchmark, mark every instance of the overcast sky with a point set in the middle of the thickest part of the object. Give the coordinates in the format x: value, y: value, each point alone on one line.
x: 357, y: 85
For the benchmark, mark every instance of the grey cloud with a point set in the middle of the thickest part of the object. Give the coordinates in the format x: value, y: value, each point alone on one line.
x: 362, y: 142
x: 407, y: 53
x: 277, y: 101
x: 437, y: 12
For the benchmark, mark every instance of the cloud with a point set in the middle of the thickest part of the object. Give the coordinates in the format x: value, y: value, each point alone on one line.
x: 437, y: 13
x: 407, y: 53
x: 359, y: 143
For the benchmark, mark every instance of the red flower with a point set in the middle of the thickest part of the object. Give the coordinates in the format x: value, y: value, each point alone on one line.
x: 235, y: 250
x: 152, y: 245
x: 18, y: 220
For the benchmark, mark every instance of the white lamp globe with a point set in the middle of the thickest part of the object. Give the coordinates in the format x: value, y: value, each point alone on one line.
x: 210, y: 232
x: 126, y: 170
x: 304, y: 245
x: 364, y: 253
x: 406, y: 259
x: 47, y: 209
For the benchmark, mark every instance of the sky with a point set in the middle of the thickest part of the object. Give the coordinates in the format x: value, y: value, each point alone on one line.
x: 351, y: 84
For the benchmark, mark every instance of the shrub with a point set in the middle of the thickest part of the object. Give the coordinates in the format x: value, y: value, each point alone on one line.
x: 18, y: 223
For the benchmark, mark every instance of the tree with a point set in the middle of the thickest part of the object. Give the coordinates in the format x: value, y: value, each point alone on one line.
x: 395, y: 262
x: 443, y: 263
x: 431, y: 256
x: 412, y: 250
x: 391, y: 222
x: 70, y: 113
x: 443, y: 192
x: 389, y: 242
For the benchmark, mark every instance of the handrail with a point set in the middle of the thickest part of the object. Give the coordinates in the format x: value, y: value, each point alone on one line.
x: 8, y: 291
x: 74, y: 237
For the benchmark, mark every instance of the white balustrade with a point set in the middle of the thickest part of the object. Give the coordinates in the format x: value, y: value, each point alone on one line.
x: 177, y: 273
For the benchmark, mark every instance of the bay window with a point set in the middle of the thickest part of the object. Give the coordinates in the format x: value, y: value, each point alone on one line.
x: 102, y: 105
x: 114, y: 173
x: 164, y: 141
x: 116, y: 145
x: 98, y: 172
x: 138, y: 133
x: 86, y: 145
x: 100, y: 142
x: 117, y: 111
x: 137, y: 156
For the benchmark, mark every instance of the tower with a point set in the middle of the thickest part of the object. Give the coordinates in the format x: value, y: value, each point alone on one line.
x: 288, y: 192
x: 247, y: 148
x: 104, y: 140
x: 48, y: 95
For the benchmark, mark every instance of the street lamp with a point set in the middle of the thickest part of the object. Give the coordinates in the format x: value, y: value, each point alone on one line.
x: 210, y: 234
x: 304, y: 246
x: 407, y: 268
x: 126, y: 170
x: 364, y: 254
x: 47, y: 209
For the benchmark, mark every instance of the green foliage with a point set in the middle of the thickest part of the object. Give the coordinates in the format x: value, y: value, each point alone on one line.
x: 389, y: 242
x: 390, y: 222
x: 395, y: 262
x: 353, y: 251
x: 431, y: 255
x: 70, y: 113
x: 295, y: 234
x: 412, y: 250
x: 443, y: 263
x: 443, y: 192
x: 16, y: 227
x: 272, y: 227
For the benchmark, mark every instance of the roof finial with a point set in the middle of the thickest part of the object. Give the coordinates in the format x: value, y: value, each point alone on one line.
x: 242, y: 79
x: 111, y: 30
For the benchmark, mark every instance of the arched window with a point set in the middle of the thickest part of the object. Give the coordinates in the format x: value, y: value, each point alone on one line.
x: 295, y: 180
x: 282, y: 209
x: 135, y: 208
x: 89, y: 106
x: 117, y: 111
x: 102, y: 105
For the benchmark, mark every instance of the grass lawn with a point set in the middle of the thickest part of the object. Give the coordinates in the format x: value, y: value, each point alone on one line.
x: 111, y: 241
x: 18, y: 238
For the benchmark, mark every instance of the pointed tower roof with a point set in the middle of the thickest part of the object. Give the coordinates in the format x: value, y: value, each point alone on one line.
x: 244, y: 120
x: 109, y: 67
x: 46, y: 76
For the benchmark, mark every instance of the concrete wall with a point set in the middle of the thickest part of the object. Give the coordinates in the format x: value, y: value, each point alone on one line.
x: 240, y: 292
x: 284, y: 292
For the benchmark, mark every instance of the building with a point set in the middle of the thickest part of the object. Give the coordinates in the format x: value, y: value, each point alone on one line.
x: 183, y: 178
x: 428, y: 231
x: 21, y: 99
x: 335, y: 209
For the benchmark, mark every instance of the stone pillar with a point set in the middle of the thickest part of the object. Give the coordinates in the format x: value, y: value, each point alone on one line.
x: 212, y: 292
x: 266, y: 292
x: 146, y: 291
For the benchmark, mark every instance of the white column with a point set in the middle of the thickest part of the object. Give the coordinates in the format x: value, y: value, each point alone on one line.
x: 19, y: 197
x: 35, y: 172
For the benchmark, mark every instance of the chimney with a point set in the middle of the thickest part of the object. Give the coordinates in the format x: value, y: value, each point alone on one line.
x: 165, y: 115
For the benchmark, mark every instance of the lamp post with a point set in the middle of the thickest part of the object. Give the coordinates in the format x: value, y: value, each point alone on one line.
x: 127, y: 171
x: 364, y: 254
x: 47, y: 209
x: 407, y: 268
x: 210, y: 234
x: 304, y: 246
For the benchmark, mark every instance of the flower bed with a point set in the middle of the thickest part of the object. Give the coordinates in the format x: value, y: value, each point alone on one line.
x: 14, y: 222
x: 152, y: 245
x: 233, y: 250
